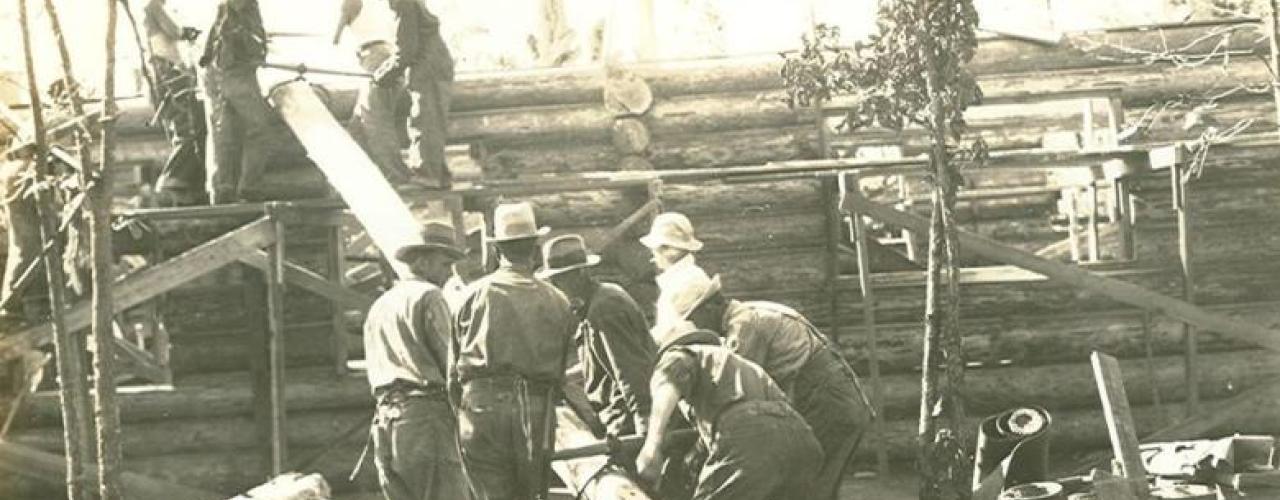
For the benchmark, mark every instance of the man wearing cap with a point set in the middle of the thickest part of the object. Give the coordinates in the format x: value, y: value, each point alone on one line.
x: 759, y: 448
x: 614, y: 345
x: 673, y: 244
x: 406, y: 338
x: 507, y: 362
x: 804, y: 363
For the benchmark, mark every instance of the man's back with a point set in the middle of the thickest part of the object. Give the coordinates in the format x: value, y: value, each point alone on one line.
x: 406, y: 335
x: 513, y: 324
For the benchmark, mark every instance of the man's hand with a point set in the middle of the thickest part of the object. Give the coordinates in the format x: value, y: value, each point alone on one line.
x: 649, y: 462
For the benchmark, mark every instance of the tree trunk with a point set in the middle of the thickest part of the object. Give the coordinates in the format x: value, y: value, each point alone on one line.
x: 1273, y: 34
x: 73, y: 397
x: 943, y: 465
x: 107, y: 415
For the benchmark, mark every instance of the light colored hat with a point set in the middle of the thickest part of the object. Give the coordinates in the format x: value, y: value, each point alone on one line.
x: 565, y: 253
x: 435, y: 235
x: 688, y: 288
x: 515, y: 221
x: 671, y: 229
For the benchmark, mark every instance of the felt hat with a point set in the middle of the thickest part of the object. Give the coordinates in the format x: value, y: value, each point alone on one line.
x: 435, y: 236
x: 671, y: 229
x: 688, y: 287
x: 565, y: 253
x: 680, y: 333
x: 515, y: 221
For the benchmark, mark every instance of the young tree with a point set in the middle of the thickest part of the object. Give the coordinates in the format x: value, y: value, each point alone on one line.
x: 912, y: 73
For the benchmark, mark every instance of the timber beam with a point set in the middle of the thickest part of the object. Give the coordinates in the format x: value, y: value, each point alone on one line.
x: 1122, y: 291
x: 142, y: 285
x: 311, y: 281
x: 45, y: 466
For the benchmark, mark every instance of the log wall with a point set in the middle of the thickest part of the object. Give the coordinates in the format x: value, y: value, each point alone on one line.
x: 1028, y: 340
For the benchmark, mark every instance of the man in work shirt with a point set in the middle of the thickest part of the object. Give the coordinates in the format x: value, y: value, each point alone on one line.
x: 181, y: 181
x: 239, y: 119
x: 421, y: 52
x: 376, y: 121
x: 614, y: 345
x: 673, y: 245
x: 406, y: 338
x: 507, y: 362
x: 759, y: 448
x: 804, y: 363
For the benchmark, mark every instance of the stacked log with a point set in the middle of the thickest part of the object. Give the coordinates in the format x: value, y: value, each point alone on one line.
x: 1028, y: 339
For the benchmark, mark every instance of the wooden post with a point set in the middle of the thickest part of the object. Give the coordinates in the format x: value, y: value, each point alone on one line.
x: 73, y: 394
x: 869, y: 325
x: 275, y: 343
x: 1178, y: 188
x: 1123, y: 217
x: 1095, y: 252
x: 337, y: 263
x: 1073, y: 233
x: 104, y: 381
x: 1273, y: 32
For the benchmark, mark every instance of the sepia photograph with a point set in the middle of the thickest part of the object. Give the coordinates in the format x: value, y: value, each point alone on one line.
x: 639, y: 249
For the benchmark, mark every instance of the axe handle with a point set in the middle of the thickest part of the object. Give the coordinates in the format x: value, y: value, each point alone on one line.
x: 624, y: 443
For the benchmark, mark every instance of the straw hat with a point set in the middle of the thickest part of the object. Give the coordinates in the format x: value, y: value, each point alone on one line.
x: 565, y: 253
x: 435, y: 236
x: 687, y: 288
x: 671, y: 229
x: 515, y: 221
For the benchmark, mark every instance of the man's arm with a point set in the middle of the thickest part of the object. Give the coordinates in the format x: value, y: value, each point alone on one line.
x: 629, y: 355
x: 409, y: 42
x: 671, y: 379
x: 157, y: 13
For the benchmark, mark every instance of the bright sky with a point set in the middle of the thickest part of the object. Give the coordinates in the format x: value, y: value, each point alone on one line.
x: 493, y: 34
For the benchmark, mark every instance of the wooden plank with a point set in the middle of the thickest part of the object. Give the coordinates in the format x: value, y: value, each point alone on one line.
x: 1115, y: 407
x: 1079, y: 278
x: 1178, y: 188
x: 352, y: 174
x: 145, y: 284
x: 311, y: 281
x: 141, y: 362
x: 44, y: 466
x: 336, y: 257
x: 616, y: 233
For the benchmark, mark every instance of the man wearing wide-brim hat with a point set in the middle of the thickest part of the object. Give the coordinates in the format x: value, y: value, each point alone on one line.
x: 672, y: 242
x: 406, y: 339
x: 507, y: 363
x: 758, y: 446
x: 803, y: 361
x: 614, y: 345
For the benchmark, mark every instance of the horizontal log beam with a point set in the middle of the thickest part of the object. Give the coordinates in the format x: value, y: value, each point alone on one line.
x: 1118, y: 290
x: 137, y: 287
x: 50, y: 468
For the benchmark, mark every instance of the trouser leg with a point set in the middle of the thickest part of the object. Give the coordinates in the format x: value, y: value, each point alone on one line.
x: 23, y: 228
x: 223, y: 147
x: 416, y: 453
x: 764, y: 453
x: 833, y: 408
x: 429, y: 118
x: 501, y: 459
x: 245, y: 97
x: 374, y: 125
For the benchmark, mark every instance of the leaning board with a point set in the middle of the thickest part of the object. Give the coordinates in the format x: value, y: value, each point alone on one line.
x: 348, y: 169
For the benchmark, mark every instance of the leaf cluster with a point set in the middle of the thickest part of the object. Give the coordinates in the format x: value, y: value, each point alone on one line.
x: 887, y: 76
